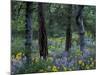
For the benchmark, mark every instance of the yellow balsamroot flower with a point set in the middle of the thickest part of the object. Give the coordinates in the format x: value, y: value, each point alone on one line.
x: 54, y: 69
x: 80, y: 61
x: 18, y: 56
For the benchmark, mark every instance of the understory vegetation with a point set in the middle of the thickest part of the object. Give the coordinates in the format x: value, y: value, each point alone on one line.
x: 58, y: 59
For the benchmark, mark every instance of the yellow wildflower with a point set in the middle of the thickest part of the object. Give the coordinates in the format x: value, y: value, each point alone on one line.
x: 18, y: 56
x: 80, y: 61
x: 54, y: 69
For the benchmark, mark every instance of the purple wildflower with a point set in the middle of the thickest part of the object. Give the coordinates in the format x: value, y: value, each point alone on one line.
x: 71, y: 63
x: 86, y: 53
x: 64, y: 54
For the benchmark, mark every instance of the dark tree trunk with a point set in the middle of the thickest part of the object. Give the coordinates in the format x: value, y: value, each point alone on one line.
x: 79, y: 22
x: 42, y: 33
x: 28, y: 31
x: 68, y: 30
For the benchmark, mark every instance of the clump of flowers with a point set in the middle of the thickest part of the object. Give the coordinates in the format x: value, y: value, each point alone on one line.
x: 80, y: 61
x: 19, y: 56
x: 54, y: 69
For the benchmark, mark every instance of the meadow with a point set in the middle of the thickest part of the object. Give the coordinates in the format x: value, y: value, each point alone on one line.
x: 58, y: 59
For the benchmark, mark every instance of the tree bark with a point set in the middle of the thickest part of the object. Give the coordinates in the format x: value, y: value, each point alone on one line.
x: 79, y: 22
x: 28, y: 31
x: 68, y: 30
x: 42, y: 33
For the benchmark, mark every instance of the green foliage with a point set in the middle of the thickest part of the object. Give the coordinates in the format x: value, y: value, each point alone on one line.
x: 90, y: 19
x: 41, y: 66
x: 56, y: 22
x: 56, y: 46
x: 17, y: 45
x: 37, y: 65
x: 56, y: 19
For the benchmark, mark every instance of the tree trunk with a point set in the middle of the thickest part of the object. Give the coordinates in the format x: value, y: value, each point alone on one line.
x: 42, y: 33
x: 79, y: 22
x: 68, y: 30
x: 28, y: 31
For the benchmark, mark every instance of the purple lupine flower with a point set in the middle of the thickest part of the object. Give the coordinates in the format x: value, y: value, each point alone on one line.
x: 64, y: 54
x: 71, y: 63
x: 64, y: 61
x: 57, y: 62
x: 86, y: 53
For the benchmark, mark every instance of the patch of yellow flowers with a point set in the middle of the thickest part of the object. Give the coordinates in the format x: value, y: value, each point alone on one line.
x: 54, y: 69
x: 80, y: 62
x: 19, y: 55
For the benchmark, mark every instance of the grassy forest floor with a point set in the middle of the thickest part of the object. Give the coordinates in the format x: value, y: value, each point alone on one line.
x: 58, y: 59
